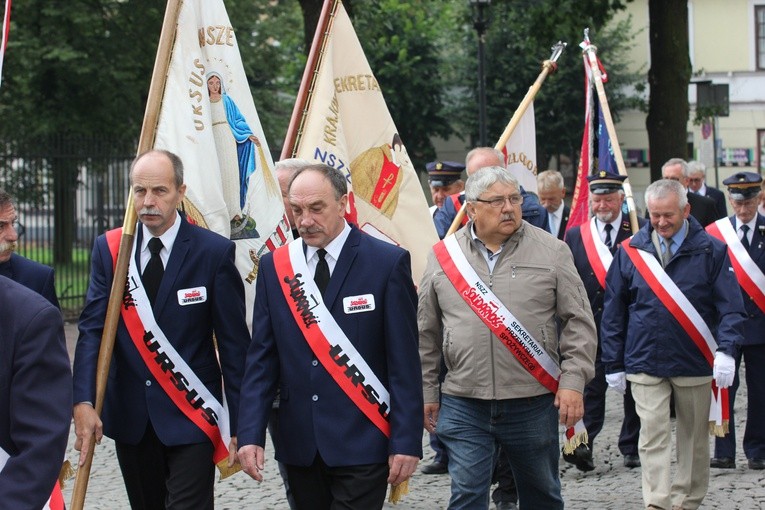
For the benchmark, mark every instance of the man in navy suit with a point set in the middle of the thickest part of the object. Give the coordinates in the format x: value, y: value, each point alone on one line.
x: 29, y: 273
x: 342, y: 349
x: 607, y: 228
x: 552, y: 191
x: 36, y: 396
x: 697, y: 184
x: 748, y: 233
x: 194, y: 290
x: 702, y: 208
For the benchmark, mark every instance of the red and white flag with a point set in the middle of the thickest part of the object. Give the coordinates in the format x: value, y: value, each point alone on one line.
x: 580, y: 207
x: 521, y: 151
x: 209, y: 119
x: 4, y: 35
x: 341, y: 119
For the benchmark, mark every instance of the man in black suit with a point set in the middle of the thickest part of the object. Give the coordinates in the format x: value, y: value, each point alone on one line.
x: 697, y: 184
x: 36, y: 396
x: 702, y: 208
x: 28, y: 273
x: 552, y: 190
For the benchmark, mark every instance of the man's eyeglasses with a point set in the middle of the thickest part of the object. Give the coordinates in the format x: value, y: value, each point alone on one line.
x: 500, y: 201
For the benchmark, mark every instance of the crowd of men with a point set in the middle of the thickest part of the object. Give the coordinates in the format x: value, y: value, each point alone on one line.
x: 517, y: 328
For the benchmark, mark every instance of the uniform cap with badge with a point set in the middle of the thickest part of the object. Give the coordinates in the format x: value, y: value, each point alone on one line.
x: 743, y: 185
x: 604, y: 182
x: 444, y: 173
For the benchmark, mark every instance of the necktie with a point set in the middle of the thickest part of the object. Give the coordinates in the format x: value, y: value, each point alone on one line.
x: 152, y: 275
x: 667, y: 252
x: 553, y: 226
x: 321, y: 276
x: 609, y: 242
x: 744, y: 236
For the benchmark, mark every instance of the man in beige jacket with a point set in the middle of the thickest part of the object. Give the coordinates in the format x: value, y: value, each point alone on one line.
x: 504, y: 304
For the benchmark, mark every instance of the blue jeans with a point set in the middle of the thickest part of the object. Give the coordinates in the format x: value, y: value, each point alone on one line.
x: 527, y: 429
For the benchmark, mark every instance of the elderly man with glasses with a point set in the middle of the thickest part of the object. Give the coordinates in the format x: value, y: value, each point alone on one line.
x: 504, y: 305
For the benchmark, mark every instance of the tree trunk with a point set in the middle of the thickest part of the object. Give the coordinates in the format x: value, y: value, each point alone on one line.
x: 64, y: 170
x: 668, y: 78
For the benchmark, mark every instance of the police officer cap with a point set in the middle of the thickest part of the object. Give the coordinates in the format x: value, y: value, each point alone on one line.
x: 603, y: 182
x: 443, y: 173
x: 743, y: 185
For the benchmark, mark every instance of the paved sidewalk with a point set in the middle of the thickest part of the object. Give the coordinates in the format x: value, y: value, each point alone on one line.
x: 610, y: 485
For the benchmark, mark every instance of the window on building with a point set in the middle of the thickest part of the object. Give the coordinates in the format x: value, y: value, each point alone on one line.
x: 759, y: 28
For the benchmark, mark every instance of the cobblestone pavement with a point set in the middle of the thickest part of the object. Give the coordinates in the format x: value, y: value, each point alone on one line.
x: 609, y: 486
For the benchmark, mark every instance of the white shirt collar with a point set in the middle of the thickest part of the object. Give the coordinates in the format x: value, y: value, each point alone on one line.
x: 168, y: 239
x: 333, y: 249
x: 752, y: 224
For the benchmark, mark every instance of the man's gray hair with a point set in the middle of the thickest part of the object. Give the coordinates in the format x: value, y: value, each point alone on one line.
x: 175, y: 161
x: 695, y: 167
x: 291, y: 165
x: 477, y: 150
x: 333, y: 175
x: 665, y: 187
x: 676, y: 161
x: 6, y: 200
x: 485, y: 178
x: 550, y: 180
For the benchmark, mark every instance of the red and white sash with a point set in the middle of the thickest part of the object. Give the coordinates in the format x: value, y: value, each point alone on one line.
x: 170, y: 370
x: 598, y: 254
x: 503, y: 324
x: 748, y: 273
x: 690, y: 320
x: 56, y: 500
x: 327, y: 340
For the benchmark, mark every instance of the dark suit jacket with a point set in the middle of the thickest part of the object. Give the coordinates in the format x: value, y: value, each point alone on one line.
x: 718, y: 197
x: 595, y: 292
x: 314, y: 413
x: 703, y: 209
x: 563, y: 222
x: 35, y: 396
x: 199, y: 258
x: 32, y: 275
x: 755, y: 324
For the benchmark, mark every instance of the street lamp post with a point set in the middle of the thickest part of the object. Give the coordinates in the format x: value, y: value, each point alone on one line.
x: 480, y: 23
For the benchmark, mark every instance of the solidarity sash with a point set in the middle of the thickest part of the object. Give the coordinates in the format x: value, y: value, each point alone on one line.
x: 748, y: 273
x: 503, y: 324
x: 327, y: 340
x: 598, y: 254
x: 56, y: 500
x: 170, y: 370
x: 690, y: 320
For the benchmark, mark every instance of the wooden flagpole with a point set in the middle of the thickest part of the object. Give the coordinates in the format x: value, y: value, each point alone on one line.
x: 591, y: 50
x: 548, y: 67
x: 146, y: 142
x: 305, y: 92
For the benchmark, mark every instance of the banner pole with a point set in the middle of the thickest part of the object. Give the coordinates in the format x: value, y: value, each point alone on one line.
x: 548, y: 67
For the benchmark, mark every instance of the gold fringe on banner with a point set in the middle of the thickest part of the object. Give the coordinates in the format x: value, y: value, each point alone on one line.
x: 571, y: 443
x: 397, y: 492
x: 719, y: 430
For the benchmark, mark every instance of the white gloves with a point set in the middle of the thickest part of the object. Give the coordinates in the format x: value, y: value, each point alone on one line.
x: 724, y: 370
x: 617, y: 381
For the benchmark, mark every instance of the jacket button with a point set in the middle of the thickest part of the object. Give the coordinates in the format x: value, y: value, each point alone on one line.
x: 315, y: 398
x: 314, y: 362
x: 148, y: 382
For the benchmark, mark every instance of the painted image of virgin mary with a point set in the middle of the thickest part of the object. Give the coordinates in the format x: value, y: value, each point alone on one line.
x: 239, y: 151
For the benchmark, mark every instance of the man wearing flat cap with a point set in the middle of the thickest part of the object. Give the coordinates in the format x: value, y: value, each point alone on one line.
x: 445, y: 178
x: 593, y: 245
x: 744, y: 233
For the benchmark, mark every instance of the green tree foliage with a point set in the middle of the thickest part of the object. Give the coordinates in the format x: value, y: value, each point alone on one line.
x: 401, y: 40
x: 518, y: 39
